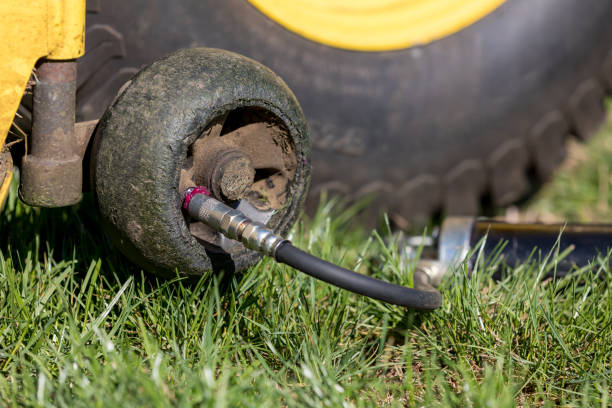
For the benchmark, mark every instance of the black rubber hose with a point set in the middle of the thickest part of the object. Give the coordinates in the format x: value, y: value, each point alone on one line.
x: 355, y: 282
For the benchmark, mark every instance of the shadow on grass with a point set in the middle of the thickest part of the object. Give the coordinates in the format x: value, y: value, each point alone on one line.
x: 70, y: 234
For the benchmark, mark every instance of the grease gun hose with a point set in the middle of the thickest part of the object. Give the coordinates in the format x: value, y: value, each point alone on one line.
x: 235, y: 225
x: 355, y: 282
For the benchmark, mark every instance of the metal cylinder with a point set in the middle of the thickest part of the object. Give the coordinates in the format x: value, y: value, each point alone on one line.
x: 52, y: 170
x: 234, y: 224
x: 586, y: 241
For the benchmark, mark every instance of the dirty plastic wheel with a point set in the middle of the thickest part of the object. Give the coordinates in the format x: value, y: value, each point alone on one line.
x: 198, y: 117
x: 474, y: 108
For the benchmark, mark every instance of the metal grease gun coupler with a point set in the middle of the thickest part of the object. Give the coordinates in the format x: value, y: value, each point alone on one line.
x: 235, y: 225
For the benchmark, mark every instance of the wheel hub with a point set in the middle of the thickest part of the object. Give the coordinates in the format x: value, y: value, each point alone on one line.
x: 246, y: 159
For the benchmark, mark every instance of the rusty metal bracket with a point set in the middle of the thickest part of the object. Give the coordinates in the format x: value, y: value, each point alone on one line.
x: 52, y: 173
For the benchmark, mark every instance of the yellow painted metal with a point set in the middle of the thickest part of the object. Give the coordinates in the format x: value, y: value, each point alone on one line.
x: 30, y: 30
x: 375, y: 25
x: 66, y: 21
x: 6, y: 184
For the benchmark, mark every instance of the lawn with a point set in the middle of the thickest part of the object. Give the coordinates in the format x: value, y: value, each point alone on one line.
x: 81, y: 326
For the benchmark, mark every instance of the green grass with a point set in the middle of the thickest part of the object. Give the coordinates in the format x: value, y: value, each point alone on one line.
x: 581, y: 191
x: 80, y: 326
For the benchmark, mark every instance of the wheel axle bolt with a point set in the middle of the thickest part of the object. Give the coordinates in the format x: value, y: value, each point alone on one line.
x: 229, y: 173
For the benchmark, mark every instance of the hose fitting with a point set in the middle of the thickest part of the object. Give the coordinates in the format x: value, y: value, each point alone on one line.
x: 230, y: 222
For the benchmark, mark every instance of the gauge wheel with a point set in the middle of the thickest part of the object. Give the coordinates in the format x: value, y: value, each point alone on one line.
x: 425, y: 105
x: 198, y: 117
